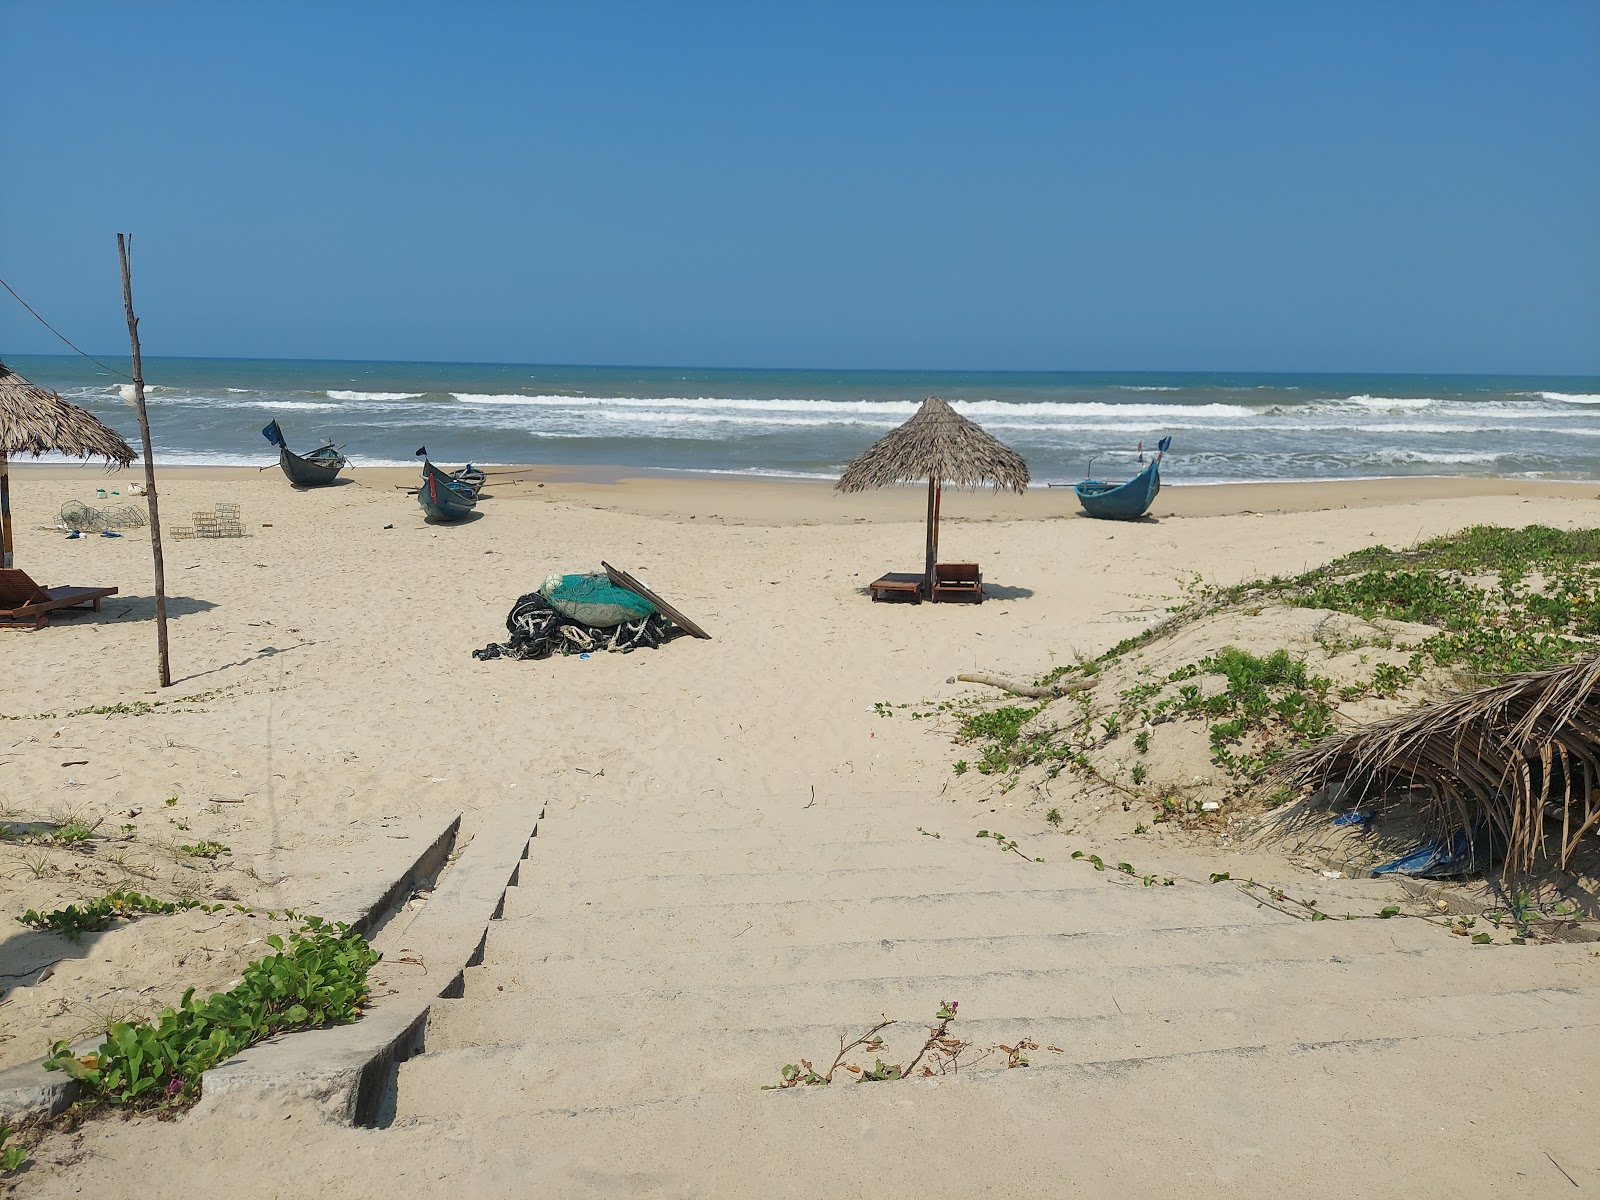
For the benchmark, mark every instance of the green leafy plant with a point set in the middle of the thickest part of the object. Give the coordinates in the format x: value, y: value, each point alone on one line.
x: 11, y: 1157
x: 317, y: 977
x: 205, y: 849
x: 1006, y: 844
x: 73, y: 833
x: 92, y: 916
x: 1054, y: 817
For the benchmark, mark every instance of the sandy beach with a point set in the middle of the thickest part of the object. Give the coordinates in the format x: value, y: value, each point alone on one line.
x: 325, y: 701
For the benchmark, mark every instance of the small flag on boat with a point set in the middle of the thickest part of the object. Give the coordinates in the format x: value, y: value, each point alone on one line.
x: 422, y: 452
x: 274, y: 435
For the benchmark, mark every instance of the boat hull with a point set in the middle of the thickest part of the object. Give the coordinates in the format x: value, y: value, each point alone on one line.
x: 1120, y: 501
x: 443, y: 498
x: 306, y: 471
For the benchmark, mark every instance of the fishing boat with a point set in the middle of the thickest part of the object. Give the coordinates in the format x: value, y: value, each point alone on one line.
x: 444, y: 497
x: 317, y: 469
x: 1123, y: 501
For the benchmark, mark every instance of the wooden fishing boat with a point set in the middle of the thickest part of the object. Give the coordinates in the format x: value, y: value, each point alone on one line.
x: 1123, y: 501
x: 443, y: 497
x: 317, y: 469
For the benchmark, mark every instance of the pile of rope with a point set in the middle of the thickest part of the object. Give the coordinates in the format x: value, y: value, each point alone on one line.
x: 539, y: 631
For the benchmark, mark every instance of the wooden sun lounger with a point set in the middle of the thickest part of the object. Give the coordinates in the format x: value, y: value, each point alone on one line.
x: 898, y: 584
x: 958, y: 581
x: 26, y: 605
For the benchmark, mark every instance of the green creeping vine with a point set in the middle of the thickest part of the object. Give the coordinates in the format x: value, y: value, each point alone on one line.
x: 92, y: 916
x: 318, y: 977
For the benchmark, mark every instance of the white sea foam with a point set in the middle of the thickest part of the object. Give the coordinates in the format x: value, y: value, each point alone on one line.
x: 343, y: 395
x: 1390, y: 401
x: 292, y: 404
x: 896, y: 410
x: 1570, y: 397
x: 1420, y: 456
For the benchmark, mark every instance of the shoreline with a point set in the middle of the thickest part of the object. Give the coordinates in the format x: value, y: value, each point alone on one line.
x: 773, y: 500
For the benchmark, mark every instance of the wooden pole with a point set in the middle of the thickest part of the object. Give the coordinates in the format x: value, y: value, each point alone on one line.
x: 5, y: 510
x: 933, y: 533
x: 124, y: 248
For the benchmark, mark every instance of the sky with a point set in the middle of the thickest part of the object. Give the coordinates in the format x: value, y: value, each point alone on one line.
x: 1127, y: 185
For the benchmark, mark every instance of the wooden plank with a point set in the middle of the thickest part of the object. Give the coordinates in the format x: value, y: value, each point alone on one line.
x: 622, y: 579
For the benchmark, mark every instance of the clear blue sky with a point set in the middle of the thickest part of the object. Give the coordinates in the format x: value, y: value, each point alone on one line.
x: 1282, y: 185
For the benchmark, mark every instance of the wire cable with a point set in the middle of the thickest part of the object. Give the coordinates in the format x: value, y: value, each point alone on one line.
x: 60, y: 335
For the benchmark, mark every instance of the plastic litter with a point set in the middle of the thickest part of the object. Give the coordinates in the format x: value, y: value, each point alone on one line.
x: 1357, y: 817
x: 1462, y: 853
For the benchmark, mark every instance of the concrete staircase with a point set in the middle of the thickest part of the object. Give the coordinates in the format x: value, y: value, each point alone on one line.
x: 654, y: 969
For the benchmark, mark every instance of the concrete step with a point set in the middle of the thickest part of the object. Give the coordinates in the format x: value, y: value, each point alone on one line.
x: 539, y: 894
x: 1224, y: 1123
x: 697, y: 833
x: 504, y: 994
x: 619, y: 823
x: 643, y: 1066
x: 535, y: 928
x: 600, y: 972
x: 563, y: 863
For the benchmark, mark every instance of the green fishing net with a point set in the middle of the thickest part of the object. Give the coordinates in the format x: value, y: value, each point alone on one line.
x: 594, y: 600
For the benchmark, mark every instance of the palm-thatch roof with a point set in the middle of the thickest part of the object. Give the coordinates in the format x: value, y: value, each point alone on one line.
x: 34, y: 421
x: 937, y: 443
x: 1525, y: 754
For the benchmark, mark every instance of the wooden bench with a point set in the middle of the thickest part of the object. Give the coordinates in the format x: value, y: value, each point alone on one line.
x: 958, y: 581
x: 899, y: 584
x: 26, y: 605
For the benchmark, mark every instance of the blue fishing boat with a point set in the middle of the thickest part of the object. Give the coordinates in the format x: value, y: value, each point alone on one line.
x: 317, y: 469
x: 1123, y: 501
x: 444, y: 497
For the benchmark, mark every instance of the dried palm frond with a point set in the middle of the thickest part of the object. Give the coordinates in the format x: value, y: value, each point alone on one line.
x: 937, y: 443
x: 35, y: 421
x: 1512, y: 754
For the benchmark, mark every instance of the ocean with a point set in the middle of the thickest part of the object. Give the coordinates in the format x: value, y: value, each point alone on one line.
x: 808, y: 423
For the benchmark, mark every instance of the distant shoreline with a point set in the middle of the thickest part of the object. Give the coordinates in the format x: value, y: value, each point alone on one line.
x: 778, y: 501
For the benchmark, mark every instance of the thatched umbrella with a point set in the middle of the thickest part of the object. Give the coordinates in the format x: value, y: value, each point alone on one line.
x: 34, y: 421
x: 940, y: 445
x: 1510, y: 753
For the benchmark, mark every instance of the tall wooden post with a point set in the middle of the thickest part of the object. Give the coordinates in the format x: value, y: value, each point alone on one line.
x: 934, y: 495
x: 124, y: 248
x: 5, y: 510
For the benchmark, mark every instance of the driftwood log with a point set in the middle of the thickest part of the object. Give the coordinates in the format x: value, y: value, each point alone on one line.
x: 1048, y: 691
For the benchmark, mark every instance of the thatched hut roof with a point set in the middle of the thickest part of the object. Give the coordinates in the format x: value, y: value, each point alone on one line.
x: 34, y: 421
x: 937, y: 443
x: 1524, y: 753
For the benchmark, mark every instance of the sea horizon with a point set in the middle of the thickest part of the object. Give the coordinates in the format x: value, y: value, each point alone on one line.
x: 1227, y: 427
